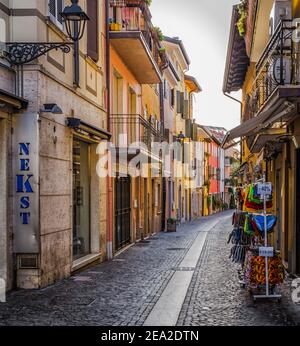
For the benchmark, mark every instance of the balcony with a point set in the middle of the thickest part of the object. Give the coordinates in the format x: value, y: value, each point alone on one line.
x: 135, y: 131
x: 134, y: 39
x: 277, y: 75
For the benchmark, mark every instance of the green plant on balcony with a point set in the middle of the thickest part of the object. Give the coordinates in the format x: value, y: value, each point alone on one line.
x: 159, y: 33
x: 148, y: 2
x: 243, y: 14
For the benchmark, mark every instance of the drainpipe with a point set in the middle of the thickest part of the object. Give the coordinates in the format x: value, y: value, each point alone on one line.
x: 236, y: 100
x: 162, y: 120
x: 109, y: 231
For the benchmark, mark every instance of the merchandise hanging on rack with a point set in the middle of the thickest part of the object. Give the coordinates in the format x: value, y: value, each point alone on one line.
x: 252, y: 200
x: 252, y: 223
x: 255, y: 271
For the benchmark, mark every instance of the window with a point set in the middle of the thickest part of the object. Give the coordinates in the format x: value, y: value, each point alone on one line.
x: 159, y: 198
x: 165, y: 88
x: 55, y: 8
x: 81, y: 199
x: 93, y: 30
x: 2, y: 30
x: 172, y: 98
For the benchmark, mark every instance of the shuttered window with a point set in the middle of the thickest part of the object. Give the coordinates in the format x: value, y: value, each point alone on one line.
x: 55, y: 8
x: 180, y: 102
x: 93, y: 30
x: 172, y: 97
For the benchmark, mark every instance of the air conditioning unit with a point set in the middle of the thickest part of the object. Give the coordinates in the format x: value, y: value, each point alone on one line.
x: 275, y: 71
x: 282, y: 9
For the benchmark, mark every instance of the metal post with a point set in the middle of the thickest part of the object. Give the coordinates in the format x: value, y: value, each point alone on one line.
x: 266, y: 239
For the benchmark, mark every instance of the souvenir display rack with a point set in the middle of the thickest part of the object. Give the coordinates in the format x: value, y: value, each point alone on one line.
x: 262, y: 268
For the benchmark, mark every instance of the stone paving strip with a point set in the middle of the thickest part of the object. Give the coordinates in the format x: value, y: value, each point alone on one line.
x: 168, y: 307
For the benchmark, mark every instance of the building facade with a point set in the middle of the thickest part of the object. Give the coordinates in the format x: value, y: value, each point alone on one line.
x: 136, y: 64
x: 269, y: 122
x: 59, y: 204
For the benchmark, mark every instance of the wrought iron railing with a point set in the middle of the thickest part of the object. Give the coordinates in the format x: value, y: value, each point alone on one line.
x: 277, y: 66
x: 128, y: 129
x: 134, y: 15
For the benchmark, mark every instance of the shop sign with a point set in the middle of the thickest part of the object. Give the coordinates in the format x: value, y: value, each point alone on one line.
x: 26, y: 188
x: 264, y: 189
x: 266, y: 251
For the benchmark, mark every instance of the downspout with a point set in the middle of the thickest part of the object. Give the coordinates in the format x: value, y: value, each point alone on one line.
x: 109, y: 231
x: 241, y: 114
x: 234, y: 99
x: 162, y: 119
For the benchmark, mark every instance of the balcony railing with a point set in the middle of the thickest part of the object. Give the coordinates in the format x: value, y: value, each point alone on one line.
x: 278, y: 66
x: 128, y: 129
x: 132, y: 16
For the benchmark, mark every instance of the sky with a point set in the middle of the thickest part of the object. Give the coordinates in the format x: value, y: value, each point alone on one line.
x: 203, y: 26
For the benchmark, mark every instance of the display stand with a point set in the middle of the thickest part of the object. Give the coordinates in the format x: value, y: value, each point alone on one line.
x: 267, y: 294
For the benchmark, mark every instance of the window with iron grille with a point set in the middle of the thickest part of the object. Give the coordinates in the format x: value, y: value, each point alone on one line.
x: 55, y: 8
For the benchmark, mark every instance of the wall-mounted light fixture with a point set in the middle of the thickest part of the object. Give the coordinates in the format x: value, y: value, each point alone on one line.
x: 20, y: 53
x: 51, y: 108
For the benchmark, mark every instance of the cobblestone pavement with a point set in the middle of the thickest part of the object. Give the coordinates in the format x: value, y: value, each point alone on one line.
x: 124, y: 291
x: 215, y: 296
x: 121, y: 292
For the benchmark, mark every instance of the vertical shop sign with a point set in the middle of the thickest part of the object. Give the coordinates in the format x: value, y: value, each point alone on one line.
x: 26, y: 187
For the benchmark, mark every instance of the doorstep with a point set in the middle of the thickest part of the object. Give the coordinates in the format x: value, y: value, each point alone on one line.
x: 84, y: 261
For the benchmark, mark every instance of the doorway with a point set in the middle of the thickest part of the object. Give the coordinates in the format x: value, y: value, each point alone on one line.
x: 278, y: 208
x: 298, y: 211
x: 81, y: 199
x: 122, y: 212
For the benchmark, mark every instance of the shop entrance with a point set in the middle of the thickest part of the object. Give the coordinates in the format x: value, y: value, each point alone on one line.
x: 298, y: 211
x: 123, y: 212
x: 278, y: 207
x: 81, y: 199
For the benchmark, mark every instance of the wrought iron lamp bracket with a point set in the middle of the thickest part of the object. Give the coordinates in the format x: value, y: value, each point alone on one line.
x: 20, y: 53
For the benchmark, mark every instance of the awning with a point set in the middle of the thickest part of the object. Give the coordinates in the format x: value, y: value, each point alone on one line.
x: 269, y: 135
x: 262, y: 121
x: 90, y: 132
x: 12, y: 101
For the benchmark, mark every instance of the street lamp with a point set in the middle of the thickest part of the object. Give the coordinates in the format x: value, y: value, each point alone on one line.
x: 20, y: 53
x: 75, y: 20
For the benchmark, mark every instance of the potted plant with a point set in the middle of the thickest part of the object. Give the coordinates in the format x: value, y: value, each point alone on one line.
x: 171, y: 225
x: 159, y: 33
x: 243, y: 13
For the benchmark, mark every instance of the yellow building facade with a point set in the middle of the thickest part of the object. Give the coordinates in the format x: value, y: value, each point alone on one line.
x: 268, y: 77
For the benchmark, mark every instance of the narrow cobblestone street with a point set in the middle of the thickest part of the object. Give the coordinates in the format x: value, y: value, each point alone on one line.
x: 125, y: 291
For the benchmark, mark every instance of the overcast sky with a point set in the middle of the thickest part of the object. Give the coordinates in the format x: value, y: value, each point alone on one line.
x: 203, y: 26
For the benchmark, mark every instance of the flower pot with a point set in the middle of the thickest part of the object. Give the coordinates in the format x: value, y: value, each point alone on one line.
x: 171, y: 227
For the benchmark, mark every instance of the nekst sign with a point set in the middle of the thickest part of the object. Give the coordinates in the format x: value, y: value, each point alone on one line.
x: 24, y: 186
x: 26, y: 182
